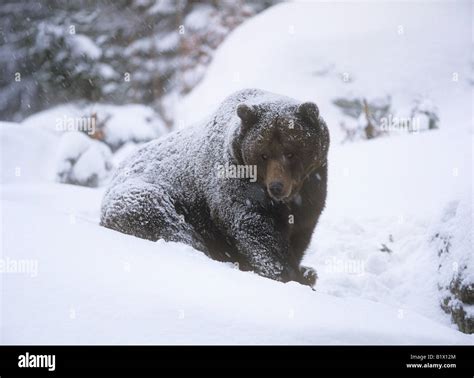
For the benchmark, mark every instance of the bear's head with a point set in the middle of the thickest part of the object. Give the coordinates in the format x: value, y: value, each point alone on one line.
x: 287, y: 142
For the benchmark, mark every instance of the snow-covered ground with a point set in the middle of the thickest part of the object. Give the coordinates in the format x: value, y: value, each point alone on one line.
x: 82, y: 283
x: 320, y: 51
x: 87, y: 284
x: 96, y: 286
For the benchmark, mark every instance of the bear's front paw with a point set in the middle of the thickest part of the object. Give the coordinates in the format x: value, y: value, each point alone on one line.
x: 309, y: 276
x: 304, y: 275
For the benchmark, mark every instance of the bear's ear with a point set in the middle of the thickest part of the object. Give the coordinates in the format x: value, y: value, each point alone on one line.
x: 309, y: 112
x: 248, y: 114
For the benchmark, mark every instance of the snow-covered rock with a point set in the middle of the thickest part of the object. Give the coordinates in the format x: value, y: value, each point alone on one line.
x: 76, y: 141
x: 82, y: 160
x: 453, y: 241
x: 129, y: 123
x: 115, y: 125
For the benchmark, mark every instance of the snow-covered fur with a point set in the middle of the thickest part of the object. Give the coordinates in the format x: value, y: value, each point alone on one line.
x: 173, y: 188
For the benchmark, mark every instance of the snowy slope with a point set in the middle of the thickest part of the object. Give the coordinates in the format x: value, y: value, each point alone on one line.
x: 320, y: 51
x: 393, y: 192
x: 26, y: 153
x: 390, y: 192
x: 94, y: 285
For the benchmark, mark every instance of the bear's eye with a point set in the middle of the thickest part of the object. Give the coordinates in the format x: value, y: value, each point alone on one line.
x: 289, y: 155
x: 264, y: 157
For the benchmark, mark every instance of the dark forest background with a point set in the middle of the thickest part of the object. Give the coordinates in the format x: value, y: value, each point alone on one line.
x: 124, y: 51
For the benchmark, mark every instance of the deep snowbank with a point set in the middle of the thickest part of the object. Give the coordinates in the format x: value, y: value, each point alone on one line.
x: 26, y: 153
x: 117, y: 124
x: 320, y: 51
x: 94, y: 285
x: 394, y: 192
x: 388, y: 199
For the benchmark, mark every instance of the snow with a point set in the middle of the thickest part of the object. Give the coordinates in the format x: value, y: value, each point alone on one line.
x: 107, y: 72
x: 83, y: 45
x: 394, y: 188
x: 127, y: 123
x: 136, y: 47
x: 199, y: 18
x: 304, y: 49
x: 125, y: 297
x: 20, y: 147
x: 82, y: 160
x: 167, y: 42
x: 95, y: 285
x: 124, y: 152
x: 392, y: 191
x: 455, y: 228
x: 51, y: 118
x: 71, y: 156
x: 98, y: 286
x: 132, y: 122
x: 163, y: 7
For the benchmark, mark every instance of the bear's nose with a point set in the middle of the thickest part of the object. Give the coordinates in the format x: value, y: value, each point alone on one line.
x: 276, y: 188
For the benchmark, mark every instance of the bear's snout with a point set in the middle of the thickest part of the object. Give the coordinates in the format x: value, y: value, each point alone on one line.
x: 276, y: 189
x: 278, y: 181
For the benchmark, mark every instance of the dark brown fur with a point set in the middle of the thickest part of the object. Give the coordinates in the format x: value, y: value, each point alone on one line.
x: 170, y: 189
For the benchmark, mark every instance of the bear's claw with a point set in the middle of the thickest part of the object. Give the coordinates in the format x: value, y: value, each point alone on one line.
x: 310, y: 276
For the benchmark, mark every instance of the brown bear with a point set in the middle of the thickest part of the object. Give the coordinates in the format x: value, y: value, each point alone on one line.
x: 246, y: 186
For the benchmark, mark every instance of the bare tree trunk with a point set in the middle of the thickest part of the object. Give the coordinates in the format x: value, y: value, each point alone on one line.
x: 370, y: 128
